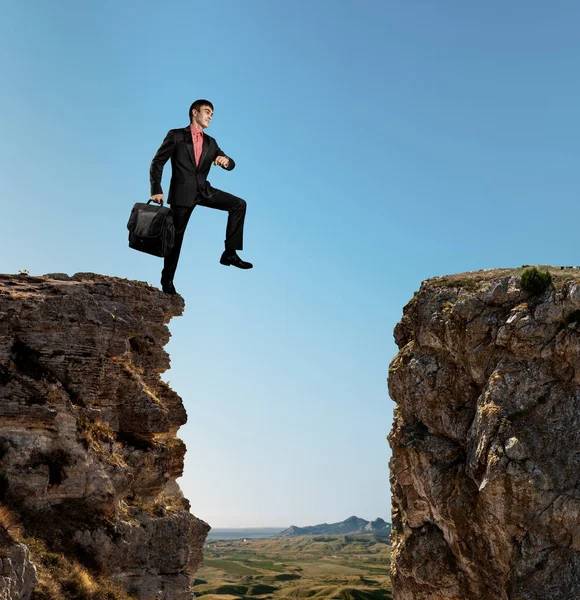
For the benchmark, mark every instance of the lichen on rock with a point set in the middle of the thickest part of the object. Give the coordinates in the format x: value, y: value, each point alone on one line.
x: 486, y: 439
x: 89, y: 454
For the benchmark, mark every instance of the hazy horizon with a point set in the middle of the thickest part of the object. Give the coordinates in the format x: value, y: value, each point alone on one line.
x: 296, y: 524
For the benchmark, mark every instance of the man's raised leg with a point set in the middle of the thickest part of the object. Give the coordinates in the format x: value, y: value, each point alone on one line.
x: 236, y: 208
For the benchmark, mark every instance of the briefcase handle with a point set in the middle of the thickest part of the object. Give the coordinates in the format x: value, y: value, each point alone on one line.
x: 160, y: 205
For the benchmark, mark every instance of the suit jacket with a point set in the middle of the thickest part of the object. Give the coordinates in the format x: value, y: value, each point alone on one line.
x: 188, y: 181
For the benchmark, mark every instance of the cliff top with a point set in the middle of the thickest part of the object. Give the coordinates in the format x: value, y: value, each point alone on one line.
x: 476, y: 279
x: 23, y: 284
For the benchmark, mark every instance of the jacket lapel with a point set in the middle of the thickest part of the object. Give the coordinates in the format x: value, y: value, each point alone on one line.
x: 189, y: 145
x: 205, y: 149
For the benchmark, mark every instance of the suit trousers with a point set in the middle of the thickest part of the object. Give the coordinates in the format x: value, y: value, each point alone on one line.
x: 236, y: 208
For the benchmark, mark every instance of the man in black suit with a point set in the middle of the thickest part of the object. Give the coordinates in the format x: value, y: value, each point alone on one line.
x: 192, y: 153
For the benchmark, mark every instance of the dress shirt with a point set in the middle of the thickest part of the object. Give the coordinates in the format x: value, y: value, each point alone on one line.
x: 197, y: 137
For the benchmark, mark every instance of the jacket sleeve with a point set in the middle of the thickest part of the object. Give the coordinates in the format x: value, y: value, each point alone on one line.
x: 161, y: 157
x: 232, y: 164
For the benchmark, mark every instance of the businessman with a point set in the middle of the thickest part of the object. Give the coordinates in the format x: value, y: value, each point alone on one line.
x: 192, y: 153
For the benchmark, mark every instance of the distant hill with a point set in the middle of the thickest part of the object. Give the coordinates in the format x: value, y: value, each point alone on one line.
x: 349, y: 526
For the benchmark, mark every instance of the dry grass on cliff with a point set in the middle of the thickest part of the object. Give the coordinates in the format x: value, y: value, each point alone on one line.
x: 160, y: 507
x: 60, y: 578
x: 9, y: 520
x: 99, y: 437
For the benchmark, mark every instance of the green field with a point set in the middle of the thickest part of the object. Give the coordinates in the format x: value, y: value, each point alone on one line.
x: 345, y: 567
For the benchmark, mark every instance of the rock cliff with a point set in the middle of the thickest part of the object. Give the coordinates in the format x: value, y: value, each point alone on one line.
x: 89, y: 454
x: 486, y: 440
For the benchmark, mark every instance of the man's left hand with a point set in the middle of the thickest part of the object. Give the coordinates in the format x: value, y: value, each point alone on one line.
x: 222, y: 161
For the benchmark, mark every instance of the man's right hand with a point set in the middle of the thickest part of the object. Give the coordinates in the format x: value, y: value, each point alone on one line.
x: 157, y: 198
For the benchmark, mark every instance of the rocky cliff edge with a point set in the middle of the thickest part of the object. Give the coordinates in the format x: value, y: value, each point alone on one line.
x: 486, y: 440
x: 89, y: 454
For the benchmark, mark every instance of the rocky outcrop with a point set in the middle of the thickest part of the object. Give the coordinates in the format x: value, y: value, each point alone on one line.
x: 89, y: 454
x: 17, y: 573
x: 378, y: 527
x: 486, y: 440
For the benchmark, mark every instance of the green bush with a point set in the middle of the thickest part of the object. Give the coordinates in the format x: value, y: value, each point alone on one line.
x: 535, y: 282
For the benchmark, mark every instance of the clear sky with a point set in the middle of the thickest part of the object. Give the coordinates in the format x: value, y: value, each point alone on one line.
x: 377, y: 143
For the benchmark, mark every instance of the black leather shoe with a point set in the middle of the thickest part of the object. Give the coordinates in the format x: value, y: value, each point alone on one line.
x: 168, y: 287
x: 235, y: 261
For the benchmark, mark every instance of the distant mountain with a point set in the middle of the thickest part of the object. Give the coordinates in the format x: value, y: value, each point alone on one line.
x: 349, y: 526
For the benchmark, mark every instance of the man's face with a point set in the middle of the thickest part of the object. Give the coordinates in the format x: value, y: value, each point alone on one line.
x: 202, y: 116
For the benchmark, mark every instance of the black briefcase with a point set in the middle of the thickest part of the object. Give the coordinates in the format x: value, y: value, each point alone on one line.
x: 151, y: 229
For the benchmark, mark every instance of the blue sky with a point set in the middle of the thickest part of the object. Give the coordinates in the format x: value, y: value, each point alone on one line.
x: 377, y: 143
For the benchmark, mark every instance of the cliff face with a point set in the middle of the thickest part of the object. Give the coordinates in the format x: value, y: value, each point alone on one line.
x: 88, y: 447
x: 486, y: 440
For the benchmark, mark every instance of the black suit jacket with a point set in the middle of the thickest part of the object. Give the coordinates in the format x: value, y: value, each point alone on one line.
x: 188, y: 181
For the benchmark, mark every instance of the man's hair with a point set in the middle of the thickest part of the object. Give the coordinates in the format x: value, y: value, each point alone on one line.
x: 197, y: 106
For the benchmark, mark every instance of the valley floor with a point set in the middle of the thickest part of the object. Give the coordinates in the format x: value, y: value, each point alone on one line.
x: 346, y: 567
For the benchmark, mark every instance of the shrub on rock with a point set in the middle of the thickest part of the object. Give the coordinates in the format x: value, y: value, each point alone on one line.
x: 535, y: 282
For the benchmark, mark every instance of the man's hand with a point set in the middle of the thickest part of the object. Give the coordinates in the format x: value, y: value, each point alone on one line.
x: 157, y: 198
x: 222, y: 161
